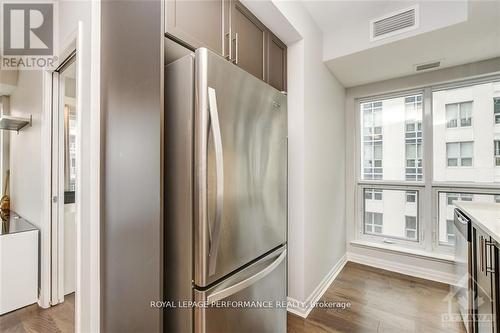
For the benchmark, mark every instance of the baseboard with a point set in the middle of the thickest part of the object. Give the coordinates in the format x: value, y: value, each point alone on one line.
x: 303, y: 309
x: 419, y: 272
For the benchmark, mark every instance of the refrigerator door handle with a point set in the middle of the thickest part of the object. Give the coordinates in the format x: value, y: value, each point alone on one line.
x: 224, y: 293
x: 219, y: 171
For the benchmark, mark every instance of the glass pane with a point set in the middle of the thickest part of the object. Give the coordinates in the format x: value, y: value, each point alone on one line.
x: 445, y: 211
x: 388, y: 126
x: 394, y: 215
x: 451, y: 115
x: 463, y: 153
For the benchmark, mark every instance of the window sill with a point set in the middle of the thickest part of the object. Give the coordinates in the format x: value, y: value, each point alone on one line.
x: 441, y: 257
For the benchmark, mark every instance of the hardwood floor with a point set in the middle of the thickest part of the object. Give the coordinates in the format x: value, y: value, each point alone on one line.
x: 381, y: 301
x: 57, y: 319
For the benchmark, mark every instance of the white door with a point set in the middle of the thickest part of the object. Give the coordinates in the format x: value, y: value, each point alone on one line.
x: 64, y: 179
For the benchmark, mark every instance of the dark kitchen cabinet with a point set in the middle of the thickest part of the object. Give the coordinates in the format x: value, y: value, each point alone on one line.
x: 199, y: 23
x: 276, y: 62
x: 231, y: 30
x: 249, y: 36
x: 485, y: 293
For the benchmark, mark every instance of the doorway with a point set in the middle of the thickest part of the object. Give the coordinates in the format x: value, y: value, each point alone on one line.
x: 65, y: 181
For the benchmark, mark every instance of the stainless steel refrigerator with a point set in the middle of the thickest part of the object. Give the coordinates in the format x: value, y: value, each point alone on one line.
x: 225, y: 198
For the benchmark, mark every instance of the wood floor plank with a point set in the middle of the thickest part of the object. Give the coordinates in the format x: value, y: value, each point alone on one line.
x: 381, y: 301
x: 34, y: 319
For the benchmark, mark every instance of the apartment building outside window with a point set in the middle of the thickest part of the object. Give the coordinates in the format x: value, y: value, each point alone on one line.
x: 416, y: 210
x: 459, y: 154
x: 459, y: 115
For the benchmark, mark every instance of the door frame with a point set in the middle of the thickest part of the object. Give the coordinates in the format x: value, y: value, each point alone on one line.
x: 57, y: 191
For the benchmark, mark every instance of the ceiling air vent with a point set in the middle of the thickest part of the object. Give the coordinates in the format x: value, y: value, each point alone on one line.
x: 394, y: 23
x: 427, y: 66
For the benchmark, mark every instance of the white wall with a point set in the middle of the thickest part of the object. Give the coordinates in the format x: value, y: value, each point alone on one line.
x: 25, y: 149
x: 316, y: 236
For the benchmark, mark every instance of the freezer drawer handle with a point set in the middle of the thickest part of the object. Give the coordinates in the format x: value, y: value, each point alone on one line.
x: 224, y: 293
x: 219, y: 171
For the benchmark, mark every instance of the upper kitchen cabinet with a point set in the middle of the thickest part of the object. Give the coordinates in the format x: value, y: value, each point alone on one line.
x: 276, y: 62
x: 231, y: 30
x: 199, y: 23
x: 249, y: 35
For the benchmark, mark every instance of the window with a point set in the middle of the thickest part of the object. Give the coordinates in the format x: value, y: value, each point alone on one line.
x: 496, y: 152
x: 450, y: 232
x: 372, y: 140
x: 391, y: 138
x: 373, y: 194
x: 391, y: 216
x: 411, y: 227
x: 411, y: 196
x: 450, y: 197
x: 392, y: 158
x: 496, y: 109
x: 459, y: 154
x: 413, y: 137
x: 374, y: 223
x: 459, y: 115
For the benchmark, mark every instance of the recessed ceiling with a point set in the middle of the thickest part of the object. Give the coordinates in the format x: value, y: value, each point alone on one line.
x: 452, y: 32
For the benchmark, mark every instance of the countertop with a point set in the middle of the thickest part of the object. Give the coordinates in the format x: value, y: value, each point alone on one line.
x: 15, y: 224
x: 484, y: 214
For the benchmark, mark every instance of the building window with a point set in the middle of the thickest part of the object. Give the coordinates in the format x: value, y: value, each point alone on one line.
x: 372, y: 140
x: 496, y: 109
x: 411, y: 196
x: 450, y: 197
x: 497, y: 152
x: 497, y: 198
x: 459, y: 154
x: 373, y: 194
x: 374, y: 223
x: 459, y: 115
x: 413, y: 137
x: 450, y: 232
x: 411, y: 227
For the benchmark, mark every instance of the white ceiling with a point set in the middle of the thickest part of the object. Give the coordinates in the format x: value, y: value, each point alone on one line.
x: 455, y: 32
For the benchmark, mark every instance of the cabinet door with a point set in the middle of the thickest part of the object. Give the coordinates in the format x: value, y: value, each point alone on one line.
x: 248, y: 40
x: 276, y: 62
x: 484, y: 294
x: 199, y: 23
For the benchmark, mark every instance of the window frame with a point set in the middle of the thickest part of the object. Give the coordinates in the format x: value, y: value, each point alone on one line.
x: 427, y: 189
x: 459, y: 118
x: 496, y: 115
x: 496, y: 153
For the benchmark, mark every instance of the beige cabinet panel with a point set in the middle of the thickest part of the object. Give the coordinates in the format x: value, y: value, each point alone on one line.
x: 248, y: 40
x: 199, y: 23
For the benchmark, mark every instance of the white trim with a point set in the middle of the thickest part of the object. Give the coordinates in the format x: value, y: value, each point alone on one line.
x: 404, y: 250
x: 46, y: 147
x: 95, y: 170
x: 389, y: 265
x: 303, y: 309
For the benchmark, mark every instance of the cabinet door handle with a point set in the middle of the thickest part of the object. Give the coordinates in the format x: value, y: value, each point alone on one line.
x: 489, y: 265
x: 481, y: 253
x: 229, y: 46
x: 236, y: 44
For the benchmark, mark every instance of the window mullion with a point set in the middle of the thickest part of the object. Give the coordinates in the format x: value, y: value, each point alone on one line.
x: 427, y: 207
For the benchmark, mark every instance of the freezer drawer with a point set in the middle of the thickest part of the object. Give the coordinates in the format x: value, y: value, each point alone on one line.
x: 264, y: 282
